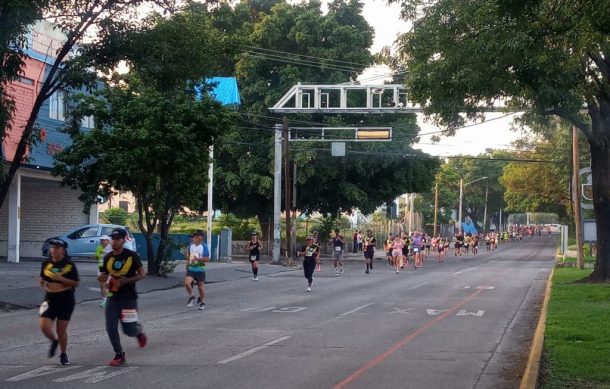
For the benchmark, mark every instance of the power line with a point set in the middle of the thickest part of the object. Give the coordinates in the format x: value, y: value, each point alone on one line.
x: 255, y: 48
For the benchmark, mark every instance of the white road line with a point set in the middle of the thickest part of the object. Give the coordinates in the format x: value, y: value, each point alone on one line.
x: 42, y: 371
x: 96, y: 374
x: 355, y: 310
x: 255, y: 349
x: 417, y: 286
x: 457, y: 272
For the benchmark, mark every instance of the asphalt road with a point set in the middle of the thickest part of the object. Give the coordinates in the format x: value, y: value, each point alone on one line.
x: 466, y: 323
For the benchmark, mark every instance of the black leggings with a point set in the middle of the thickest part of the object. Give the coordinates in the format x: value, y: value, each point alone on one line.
x: 113, y: 316
x: 309, y: 265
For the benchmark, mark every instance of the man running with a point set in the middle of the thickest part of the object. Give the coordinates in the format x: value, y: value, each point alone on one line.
x: 338, y: 243
x: 369, y: 250
x: 122, y: 268
x: 58, y: 278
x: 197, y: 256
x: 310, y: 253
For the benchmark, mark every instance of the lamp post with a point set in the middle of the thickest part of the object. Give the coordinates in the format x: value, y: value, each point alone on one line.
x: 462, y: 185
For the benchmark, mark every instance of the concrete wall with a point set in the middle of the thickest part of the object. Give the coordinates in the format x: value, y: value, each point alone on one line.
x: 46, y: 210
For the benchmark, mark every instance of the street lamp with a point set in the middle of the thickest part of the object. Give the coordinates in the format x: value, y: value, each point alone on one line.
x: 462, y: 185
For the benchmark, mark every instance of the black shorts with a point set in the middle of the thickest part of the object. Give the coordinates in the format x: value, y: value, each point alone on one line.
x: 369, y: 253
x: 198, y: 276
x: 257, y: 257
x: 59, y: 305
x: 405, y: 251
x: 388, y: 253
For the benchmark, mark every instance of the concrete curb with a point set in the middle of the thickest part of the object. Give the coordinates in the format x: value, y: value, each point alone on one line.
x: 532, y: 369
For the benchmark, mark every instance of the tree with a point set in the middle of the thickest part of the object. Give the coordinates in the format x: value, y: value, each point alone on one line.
x: 285, y: 45
x: 549, y: 58
x: 75, y: 18
x: 152, y: 135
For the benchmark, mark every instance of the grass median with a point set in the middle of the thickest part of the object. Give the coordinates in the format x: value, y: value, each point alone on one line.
x: 577, y: 338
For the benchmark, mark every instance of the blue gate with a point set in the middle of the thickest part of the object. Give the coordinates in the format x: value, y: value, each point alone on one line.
x: 179, y: 241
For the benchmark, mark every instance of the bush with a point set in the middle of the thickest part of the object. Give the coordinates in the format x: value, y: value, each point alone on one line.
x: 241, y: 227
x: 167, y: 267
x: 115, y: 216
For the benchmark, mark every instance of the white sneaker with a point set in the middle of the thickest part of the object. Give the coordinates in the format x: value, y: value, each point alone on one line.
x: 255, y: 278
x: 309, y: 288
x: 190, y: 301
x: 201, y: 306
x: 341, y: 271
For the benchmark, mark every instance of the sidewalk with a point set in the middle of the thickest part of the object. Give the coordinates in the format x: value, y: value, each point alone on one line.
x: 19, y: 281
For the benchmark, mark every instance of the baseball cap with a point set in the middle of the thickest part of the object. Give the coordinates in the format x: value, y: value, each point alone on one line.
x: 118, y: 233
x: 104, y: 237
x: 58, y: 242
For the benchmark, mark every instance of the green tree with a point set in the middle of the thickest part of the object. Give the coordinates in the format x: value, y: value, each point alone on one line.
x: 288, y: 44
x: 152, y: 136
x: 549, y: 58
x: 75, y: 18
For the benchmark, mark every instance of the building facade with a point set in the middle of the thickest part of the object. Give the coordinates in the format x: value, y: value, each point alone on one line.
x: 37, y: 207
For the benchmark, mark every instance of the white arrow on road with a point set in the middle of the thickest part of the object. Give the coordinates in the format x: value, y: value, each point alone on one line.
x: 463, y: 312
x: 435, y: 312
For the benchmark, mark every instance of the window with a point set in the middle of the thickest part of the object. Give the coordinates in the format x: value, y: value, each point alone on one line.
x: 84, y: 233
x: 57, y: 105
x: 87, y: 122
x: 124, y: 205
x: 25, y: 80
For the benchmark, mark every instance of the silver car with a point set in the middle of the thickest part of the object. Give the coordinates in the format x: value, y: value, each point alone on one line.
x: 83, y: 241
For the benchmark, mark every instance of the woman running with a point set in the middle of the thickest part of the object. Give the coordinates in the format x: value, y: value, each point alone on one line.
x: 58, y: 277
x: 397, y: 246
x: 387, y: 246
x: 310, y: 253
x: 254, y: 246
x: 405, y: 251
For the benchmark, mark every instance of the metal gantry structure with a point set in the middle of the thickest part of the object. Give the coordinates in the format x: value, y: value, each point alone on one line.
x: 339, y: 99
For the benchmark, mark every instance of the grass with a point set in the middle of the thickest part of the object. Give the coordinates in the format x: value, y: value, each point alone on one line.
x: 588, y: 258
x: 577, y: 338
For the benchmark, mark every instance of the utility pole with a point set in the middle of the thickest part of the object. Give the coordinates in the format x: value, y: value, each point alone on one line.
x: 576, y: 198
x: 460, y: 210
x: 485, y: 211
x: 435, y: 209
x: 277, y: 192
x: 287, y: 188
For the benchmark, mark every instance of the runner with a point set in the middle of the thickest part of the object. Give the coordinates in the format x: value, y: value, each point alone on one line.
x: 441, y: 249
x: 58, y: 278
x: 427, y: 243
x: 387, y: 247
x: 310, y: 253
x: 397, y: 246
x: 122, y: 268
x: 417, y: 249
x: 405, y: 251
x: 369, y: 250
x: 459, y: 241
x: 355, y: 241
x: 475, y: 244
x: 339, y: 244
x: 197, y: 256
x: 359, y: 241
x: 100, y: 252
x: 254, y: 247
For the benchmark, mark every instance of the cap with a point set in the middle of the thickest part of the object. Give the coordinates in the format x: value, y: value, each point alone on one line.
x: 253, y: 233
x: 310, y: 237
x: 58, y: 242
x: 104, y: 237
x: 118, y: 233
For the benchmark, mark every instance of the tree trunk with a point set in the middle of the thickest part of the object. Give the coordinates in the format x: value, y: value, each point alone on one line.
x: 162, y: 250
x: 600, y: 169
x: 153, y: 267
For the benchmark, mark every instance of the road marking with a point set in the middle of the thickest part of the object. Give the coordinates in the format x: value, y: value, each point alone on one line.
x: 400, y: 344
x: 290, y: 309
x: 41, y: 371
x: 96, y: 374
x: 91, y: 288
x: 255, y: 349
x: 457, y: 272
x: 435, y: 312
x: 355, y: 310
x: 463, y: 312
x: 417, y: 286
x: 402, y: 311
x: 258, y: 309
x: 489, y: 287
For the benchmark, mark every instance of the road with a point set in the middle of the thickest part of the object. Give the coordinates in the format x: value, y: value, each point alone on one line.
x: 466, y: 323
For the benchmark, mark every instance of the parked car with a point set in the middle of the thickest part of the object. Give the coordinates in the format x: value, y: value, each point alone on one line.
x: 83, y: 240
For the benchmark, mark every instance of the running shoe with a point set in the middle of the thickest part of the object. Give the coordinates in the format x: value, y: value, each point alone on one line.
x: 142, y: 339
x: 309, y: 288
x: 201, y: 306
x: 190, y: 301
x: 341, y: 271
x: 397, y: 271
x: 337, y: 272
x: 103, y: 303
x: 118, y: 360
x: 366, y: 272
x: 255, y: 278
x: 63, y: 359
x: 53, y: 348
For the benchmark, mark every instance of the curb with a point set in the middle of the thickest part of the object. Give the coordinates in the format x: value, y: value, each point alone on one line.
x: 532, y: 369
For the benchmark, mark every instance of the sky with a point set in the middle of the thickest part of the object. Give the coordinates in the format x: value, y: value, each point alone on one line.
x: 473, y: 140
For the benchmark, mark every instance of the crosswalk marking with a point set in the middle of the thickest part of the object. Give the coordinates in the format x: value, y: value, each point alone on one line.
x: 96, y: 374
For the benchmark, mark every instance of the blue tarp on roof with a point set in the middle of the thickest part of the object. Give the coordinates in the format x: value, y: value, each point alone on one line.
x: 223, y: 89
